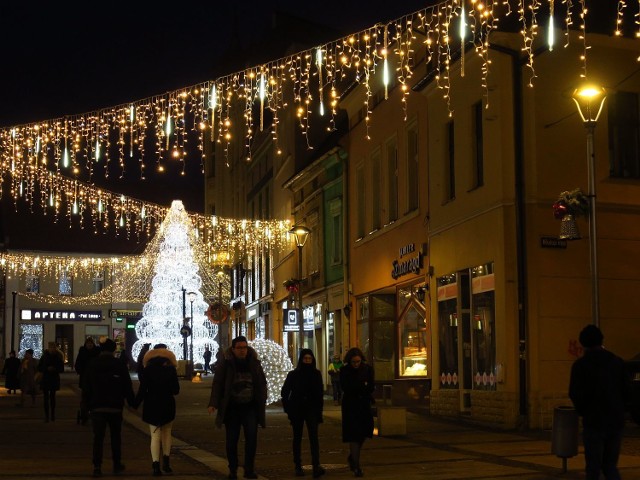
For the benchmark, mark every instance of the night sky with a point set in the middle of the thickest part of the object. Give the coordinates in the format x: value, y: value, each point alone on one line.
x: 65, y: 58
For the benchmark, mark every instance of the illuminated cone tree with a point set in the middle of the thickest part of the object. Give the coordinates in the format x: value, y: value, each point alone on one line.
x: 176, y: 275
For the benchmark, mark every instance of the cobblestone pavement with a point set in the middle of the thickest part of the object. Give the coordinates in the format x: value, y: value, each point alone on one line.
x: 432, y: 448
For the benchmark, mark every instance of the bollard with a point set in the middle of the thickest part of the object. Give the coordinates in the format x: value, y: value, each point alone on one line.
x: 564, y: 435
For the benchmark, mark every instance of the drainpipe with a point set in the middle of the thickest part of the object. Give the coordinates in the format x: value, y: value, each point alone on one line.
x: 516, y: 64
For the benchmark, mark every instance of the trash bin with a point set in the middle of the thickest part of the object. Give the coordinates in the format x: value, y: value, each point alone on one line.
x: 564, y: 439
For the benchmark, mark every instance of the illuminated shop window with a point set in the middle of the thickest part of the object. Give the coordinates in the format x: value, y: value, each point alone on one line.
x: 483, y: 327
x: 413, y: 332
x: 448, y: 331
x: 31, y: 336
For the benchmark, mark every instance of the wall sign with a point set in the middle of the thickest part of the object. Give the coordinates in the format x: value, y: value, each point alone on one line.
x: 39, y: 314
x: 405, y: 266
x: 291, y: 323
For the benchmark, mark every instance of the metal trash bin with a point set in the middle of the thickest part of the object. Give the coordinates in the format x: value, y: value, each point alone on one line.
x: 565, y: 433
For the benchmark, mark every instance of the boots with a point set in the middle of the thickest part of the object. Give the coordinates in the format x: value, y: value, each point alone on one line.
x: 166, y: 467
x: 156, y: 469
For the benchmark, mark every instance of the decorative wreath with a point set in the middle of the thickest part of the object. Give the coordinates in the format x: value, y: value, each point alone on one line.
x: 217, y: 313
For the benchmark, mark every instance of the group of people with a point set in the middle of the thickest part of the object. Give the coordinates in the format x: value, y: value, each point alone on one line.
x: 239, y: 394
x: 31, y: 376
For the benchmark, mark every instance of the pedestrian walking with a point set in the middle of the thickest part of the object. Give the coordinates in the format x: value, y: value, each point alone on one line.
x: 599, y: 388
x: 207, y: 360
x: 107, y: 386
x: 28, y: 370
x: 302, y: 400
x: 85, y: 354
x: 157, y: 391
x: 357, y: 382
x: 239, y: 395
x: 11, y: 370
x: 334, y: 373
x: 51, y: 366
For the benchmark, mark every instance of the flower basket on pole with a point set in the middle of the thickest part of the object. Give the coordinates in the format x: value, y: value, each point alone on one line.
x: 569, y: 206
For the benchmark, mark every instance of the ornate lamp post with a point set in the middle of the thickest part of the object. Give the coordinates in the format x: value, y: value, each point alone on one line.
x: 590, y: 100
x: 301, y: 234
x: 192, y: 298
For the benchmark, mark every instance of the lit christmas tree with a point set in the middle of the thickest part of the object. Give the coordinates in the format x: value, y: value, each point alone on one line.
x: 275, y: 363
x: 176, y: 275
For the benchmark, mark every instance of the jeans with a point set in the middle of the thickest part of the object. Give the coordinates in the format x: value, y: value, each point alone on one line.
x: 237, y: 417
x: 100, y: 420
x: 312, y: 430
x: 601, y: 452
x: 336, y: 387
x: 49, y: 404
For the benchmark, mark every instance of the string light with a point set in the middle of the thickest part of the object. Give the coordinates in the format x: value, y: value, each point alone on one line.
x: 275, y: 363
x: 64, y: 142
x: 551, y: 32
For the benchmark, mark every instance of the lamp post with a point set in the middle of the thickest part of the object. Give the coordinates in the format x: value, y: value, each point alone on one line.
x: 301, y: 234
x: 184, y: 317
x: 590, y: 100
x: 13, y: 320
x: 192, y: 298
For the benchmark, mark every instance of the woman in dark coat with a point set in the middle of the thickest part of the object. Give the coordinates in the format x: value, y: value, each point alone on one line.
x: 157, y: 389
x: 51, y: 366
x: 302, y: 400
x: 12, y: 371
x: 357, y: 382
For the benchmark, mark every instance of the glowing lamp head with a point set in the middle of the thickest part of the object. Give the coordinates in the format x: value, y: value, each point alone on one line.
x: 589, y: 100
x: 300, y: 233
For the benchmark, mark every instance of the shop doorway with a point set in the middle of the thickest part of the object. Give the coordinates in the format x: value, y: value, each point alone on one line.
x: 64, y: 340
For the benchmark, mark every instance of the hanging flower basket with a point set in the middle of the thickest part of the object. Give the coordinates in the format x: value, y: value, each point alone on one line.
x: 569, y: 206
x: 291, y: 285
x: 573, y: 202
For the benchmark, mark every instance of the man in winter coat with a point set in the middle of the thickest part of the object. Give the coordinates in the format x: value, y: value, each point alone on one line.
x: 239, y: 395
x: 107, y: 385
x: 598, y: 389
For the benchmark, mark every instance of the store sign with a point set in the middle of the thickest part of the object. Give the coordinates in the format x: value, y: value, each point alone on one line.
x: 125, y: 313
x: 291, y: 323
x: 410, y: 261
x: 37, y: 314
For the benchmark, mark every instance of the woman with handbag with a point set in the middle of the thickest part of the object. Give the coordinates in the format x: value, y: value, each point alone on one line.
x: 157, y: 390
x: 357, y: 382
x: 302, y: 400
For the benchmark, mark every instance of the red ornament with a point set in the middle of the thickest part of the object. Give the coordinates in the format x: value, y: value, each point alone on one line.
x: 560, y: 210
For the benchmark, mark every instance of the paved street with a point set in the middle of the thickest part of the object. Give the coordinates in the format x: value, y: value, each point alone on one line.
x: 433, y: 449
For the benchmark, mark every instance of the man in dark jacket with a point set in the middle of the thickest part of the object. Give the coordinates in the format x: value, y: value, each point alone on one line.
x: 239, y: 394
x: 107, y: 385
x: 598, y: 390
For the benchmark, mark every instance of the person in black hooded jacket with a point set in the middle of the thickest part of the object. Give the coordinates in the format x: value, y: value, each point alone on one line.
x: 157, y: 390
x: 302, y: 400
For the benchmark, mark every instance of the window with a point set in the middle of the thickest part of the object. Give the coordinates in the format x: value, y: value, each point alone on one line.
x: 448, y: 330
x: 360, y: 191
x: 392, y: 181
x: 98, y: 283
x: 477, y: 146
x: 412, y: 332
x: 412, y: 168
x: 32, y: 284
x: 624, y: 135
x: 376, y: 186
x: 31, y: 336
x: 65, y: 283
x: 483, y: 327
x: 450, y: 170
x: 335, y: 242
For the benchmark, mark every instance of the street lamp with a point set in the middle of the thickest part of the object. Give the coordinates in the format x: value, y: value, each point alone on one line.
x: 192, y: 298
x: 13, y: 320
x: 590, y: 100
x: 301, y: 234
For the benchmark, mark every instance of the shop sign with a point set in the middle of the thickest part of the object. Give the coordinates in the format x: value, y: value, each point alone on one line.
x: 252, y: 312
x: 39, y: 314
x: 291, y: 323
x: 125, y: 313
x: 405, y: 266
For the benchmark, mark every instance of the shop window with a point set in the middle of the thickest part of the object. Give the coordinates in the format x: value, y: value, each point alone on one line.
x: 383, y: 325
x: 483, y: 327
x: 412, y: 333
x: 31, y: 336
x: 448, y: 330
